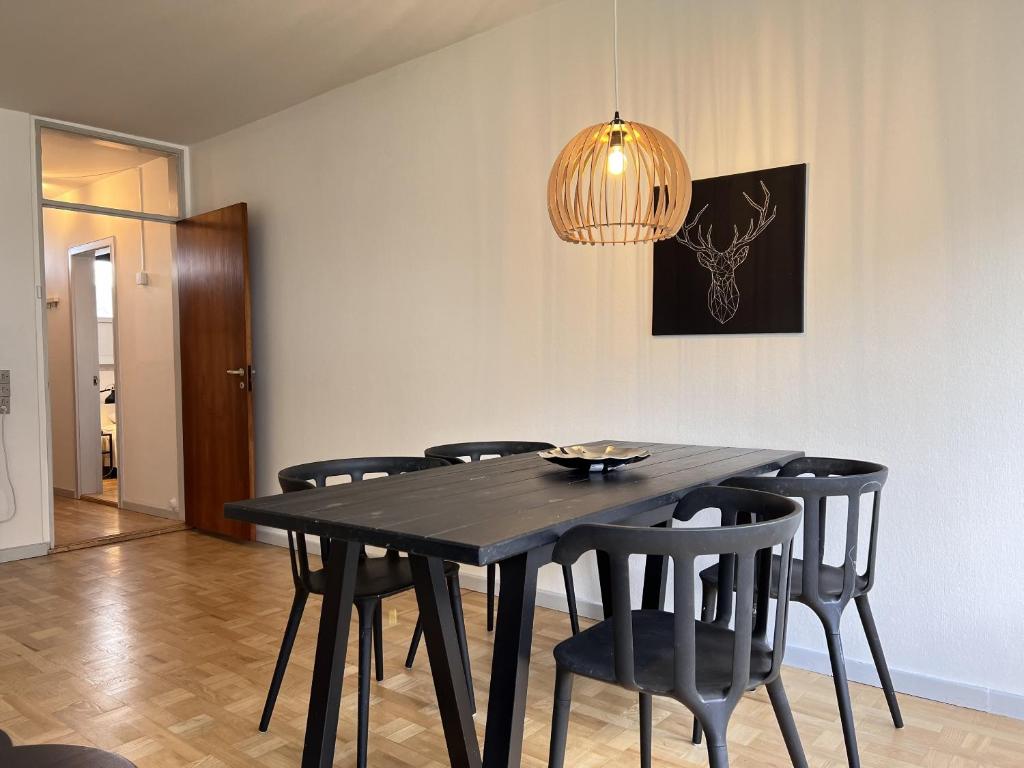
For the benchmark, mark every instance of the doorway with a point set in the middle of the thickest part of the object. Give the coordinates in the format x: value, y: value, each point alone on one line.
x: 107, y: 229
x: 175, y: 393
x: 91, y: 294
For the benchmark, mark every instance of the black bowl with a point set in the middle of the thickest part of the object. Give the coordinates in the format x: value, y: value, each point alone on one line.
x: 594, y: 458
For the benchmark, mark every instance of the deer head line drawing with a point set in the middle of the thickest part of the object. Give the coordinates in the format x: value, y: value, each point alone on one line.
x: 723, y: 293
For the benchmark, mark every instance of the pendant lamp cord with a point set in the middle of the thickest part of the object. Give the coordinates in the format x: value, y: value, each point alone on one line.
x: 615, y: 22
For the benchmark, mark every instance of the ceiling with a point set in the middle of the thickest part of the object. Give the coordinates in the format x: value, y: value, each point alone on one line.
x: 186, y: 70
x: 70, y: 160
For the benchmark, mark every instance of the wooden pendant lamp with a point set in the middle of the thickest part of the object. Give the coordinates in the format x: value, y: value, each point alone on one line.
x: 619, y: 182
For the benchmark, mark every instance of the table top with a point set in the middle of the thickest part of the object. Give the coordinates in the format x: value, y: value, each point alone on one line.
x: 487, y: 511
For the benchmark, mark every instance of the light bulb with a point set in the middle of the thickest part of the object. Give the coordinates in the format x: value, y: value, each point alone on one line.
x: 616, y: 160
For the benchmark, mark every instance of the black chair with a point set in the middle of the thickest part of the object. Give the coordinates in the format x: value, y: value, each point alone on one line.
x: 57, y: 756
x: 377, y: 578
x: 827, y: 589
x: 456, y: 453
x: 705, y: 666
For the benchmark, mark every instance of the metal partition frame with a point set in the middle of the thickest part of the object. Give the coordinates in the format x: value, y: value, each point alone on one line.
x: 169, y: 149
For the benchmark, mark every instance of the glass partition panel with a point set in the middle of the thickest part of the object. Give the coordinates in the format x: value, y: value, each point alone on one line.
x: 88, y: 170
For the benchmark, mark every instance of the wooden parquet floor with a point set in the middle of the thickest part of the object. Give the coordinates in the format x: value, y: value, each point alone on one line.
x: 161, y: 649
x: 109, y: 494
x: 82, y: 523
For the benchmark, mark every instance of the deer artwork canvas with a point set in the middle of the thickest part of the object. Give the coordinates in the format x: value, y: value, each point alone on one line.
x: 737, y: 263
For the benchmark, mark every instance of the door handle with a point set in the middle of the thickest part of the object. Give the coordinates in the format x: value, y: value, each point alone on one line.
x: 245, y: 376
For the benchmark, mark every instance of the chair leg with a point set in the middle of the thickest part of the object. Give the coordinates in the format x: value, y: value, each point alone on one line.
x: 378, y: 639
x: 871, y: 631
x: 366, y: 614
x: 455, y: 595
x: 646, y: 729
x: 560, y: 717
x: 290, y: 630
x: 709, y: 595
x: 835, y: 654
x: 718, y: 753
x: 784, y: 714
x: 570, y: 598
x: 491, y: 572
x: 414, y: 644
x: 707, y: 612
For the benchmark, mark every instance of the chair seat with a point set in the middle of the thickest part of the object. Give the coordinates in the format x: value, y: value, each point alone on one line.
x: 830, y: 583
x: 590, y: 654
x: 57, y: 756
x: 377, y: 577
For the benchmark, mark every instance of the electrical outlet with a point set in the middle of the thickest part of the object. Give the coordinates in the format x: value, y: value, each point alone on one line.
x: 5, y: 391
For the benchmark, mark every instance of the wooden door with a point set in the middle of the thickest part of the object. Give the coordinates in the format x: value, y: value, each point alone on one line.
x: 216, y: 367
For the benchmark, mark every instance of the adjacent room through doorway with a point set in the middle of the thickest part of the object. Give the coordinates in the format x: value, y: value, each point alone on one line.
x: 108, y: 208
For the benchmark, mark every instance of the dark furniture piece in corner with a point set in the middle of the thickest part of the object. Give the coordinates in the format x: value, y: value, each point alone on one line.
x: 455, y: 453
x: 57, y: 756
x: 107, y: 457
x: 705, y: 666
x: 827, y: 589
x: 376, y: 578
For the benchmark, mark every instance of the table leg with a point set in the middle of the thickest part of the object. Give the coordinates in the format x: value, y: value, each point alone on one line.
x: 604, y: 580
x: 510, y: 665
x: 446, y: 662
x: 331, y: 645
x: 655, y: 578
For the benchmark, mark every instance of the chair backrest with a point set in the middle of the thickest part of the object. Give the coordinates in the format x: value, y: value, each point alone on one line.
x: 829, y: 478
x: 455, y: 453
x: 753, y: 525
x: 315, y: 474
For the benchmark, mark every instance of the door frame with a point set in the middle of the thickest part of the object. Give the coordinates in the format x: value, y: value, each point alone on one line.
x: 108, y: 244
x: 39, y: 202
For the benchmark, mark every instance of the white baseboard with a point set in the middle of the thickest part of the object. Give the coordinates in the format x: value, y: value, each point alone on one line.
x: 546, y: 598
x: 67, y: 494
x: 924, y: 686
x: 279, y: 538
x: 148, y: 510
x: 22, y: 553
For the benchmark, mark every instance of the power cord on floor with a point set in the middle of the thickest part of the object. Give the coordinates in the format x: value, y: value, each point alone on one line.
x: 11, y: 506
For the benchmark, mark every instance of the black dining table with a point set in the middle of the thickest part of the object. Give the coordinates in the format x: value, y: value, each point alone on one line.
x: 508, y: 511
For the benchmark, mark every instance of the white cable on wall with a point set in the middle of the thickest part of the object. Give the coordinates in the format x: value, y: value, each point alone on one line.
x: 10, y: 506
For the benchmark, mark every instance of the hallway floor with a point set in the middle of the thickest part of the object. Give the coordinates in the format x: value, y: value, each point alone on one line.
x: 81, y: 523
x: 109, y: 493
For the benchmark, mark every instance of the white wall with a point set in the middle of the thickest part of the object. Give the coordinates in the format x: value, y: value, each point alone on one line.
x: 28, y: 533
x: 408, y: 288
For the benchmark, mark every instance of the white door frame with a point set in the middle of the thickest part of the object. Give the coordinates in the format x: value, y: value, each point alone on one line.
x: 80, y: 251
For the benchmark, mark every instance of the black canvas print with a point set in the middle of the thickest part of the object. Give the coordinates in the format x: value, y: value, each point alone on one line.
x: 737, y: 264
